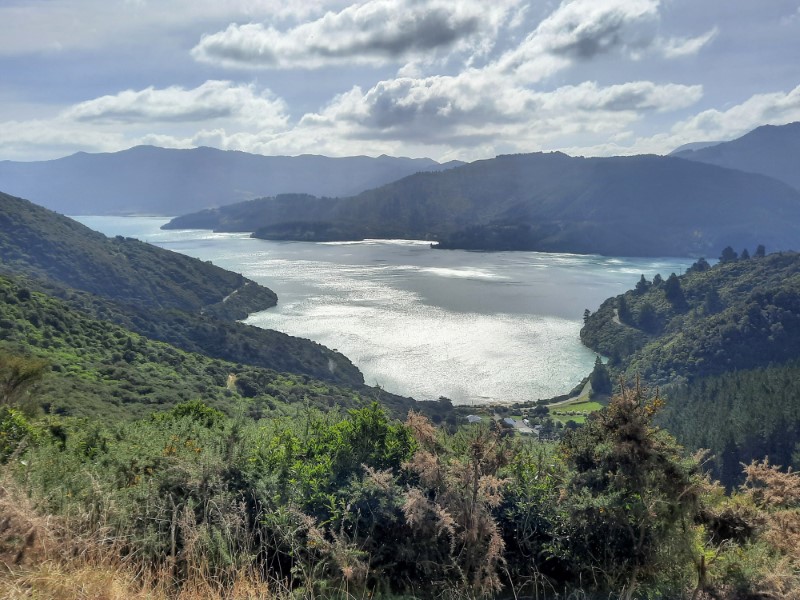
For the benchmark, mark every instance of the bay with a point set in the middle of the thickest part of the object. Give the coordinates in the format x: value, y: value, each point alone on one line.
x: 475, y: 327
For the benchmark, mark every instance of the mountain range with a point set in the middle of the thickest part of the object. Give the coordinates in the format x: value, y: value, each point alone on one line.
x: 770, y: 150
x: 623, y: 206
x: 161, y: 181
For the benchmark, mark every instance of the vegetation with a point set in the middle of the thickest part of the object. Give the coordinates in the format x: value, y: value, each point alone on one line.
x: 341, y: 505
x: 724, y: 344
x: 159, y: 294
x: 91, y: 368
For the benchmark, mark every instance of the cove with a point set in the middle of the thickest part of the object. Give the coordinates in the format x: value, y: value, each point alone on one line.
x: 475, y: 327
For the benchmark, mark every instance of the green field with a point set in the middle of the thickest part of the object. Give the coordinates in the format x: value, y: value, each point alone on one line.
x: 576, y: 411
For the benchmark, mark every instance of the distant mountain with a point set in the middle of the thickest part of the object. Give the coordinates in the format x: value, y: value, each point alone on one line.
x: 160, y: 294
x: 692, y: 146
x: 770, y: 150
x: 623, y: 206
x: 151, y: 180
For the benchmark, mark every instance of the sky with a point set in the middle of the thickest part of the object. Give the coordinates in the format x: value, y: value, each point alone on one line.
x: 446, y: 79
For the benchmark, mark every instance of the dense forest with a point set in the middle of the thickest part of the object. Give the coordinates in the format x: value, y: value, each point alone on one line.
x: 723, y: 342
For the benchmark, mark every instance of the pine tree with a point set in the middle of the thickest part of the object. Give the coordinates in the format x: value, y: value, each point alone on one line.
x: 600, y: 379
x: 728, y: 255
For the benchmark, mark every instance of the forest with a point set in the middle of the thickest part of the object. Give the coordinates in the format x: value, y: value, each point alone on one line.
x: 722, y: 344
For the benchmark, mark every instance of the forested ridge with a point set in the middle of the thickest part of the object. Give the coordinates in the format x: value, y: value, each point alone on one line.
x: 549, y: 202
x: 723, y: 342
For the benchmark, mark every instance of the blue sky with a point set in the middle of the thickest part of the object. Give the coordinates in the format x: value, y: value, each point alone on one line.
x: 463, y: 79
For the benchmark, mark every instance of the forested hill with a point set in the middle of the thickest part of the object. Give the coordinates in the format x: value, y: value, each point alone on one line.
x: 42, y: 243
x: 157, y: 293
x: 770, y: 150
x: 641, y: 205
x: 168, y: 181
x: 724, y: 344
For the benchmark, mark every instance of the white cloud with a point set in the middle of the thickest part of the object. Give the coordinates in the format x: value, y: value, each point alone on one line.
x: 467, y: 109
x: 776, y: 108
x: 170, y: 116
x: 44, y: 27
x: 209, y: 101
x: 580, y: 30
x: 680, y: 47
x: 371, y: 33
x: 761, y: 109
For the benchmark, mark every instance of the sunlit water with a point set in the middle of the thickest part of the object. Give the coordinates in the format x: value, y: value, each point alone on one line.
x: 472, y: 326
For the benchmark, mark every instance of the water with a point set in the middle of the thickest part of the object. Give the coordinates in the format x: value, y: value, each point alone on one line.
x: 475, y: 327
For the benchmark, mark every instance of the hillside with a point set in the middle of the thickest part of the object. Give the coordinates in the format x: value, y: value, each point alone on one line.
x: 623, y: 206
x: 769, y: 150
x: 724, y: 345
x: 161, y: 181
x: 154, y: 292
x: 98, y: 369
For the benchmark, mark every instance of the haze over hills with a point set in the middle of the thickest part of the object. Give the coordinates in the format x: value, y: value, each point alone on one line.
x: 623, y: 206
x: 161, y: 181
x: 771, y: 150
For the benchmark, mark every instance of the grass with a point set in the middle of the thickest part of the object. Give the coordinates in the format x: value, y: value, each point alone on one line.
x: 576, y: 411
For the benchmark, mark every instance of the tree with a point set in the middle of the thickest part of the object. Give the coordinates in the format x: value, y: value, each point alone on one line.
x: 600, y: 380
x: 647, y: 319
x: 17, y: 375
x: 657, y: 280
x: 761, y: 252
x: 623, y: 312
x: 712, y: 303
x: 630, y: 493
x: 745, y: 255
x: 642, y: 285
x: 700, y: 266
x: 674, y: 292
x: 586, y: 314
x: 728, y: 255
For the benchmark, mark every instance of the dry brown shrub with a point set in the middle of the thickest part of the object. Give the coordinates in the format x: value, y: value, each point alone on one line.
x: 26, y: 537
x: 770, y: 487
x: 422, y: 429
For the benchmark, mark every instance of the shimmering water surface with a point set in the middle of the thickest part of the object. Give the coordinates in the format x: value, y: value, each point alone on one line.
x: 472, y: 326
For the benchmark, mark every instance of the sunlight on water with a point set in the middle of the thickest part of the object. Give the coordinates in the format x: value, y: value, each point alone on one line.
x: 472, y: 326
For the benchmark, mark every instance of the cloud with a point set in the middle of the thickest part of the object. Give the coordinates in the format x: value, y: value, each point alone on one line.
x: 368, y: 33
x: 151, y: 116
x: 583, y: 29
x: 468, y: 109
x: 680, y: 47
x: 580, y: 30
x: 43, y: 27
x: 209, y: 101
x: 776, y: 108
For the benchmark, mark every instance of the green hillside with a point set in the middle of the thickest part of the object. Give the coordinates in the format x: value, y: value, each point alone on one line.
x: 723, y: 343
x: 99, y: 369
x: 157, y: 293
